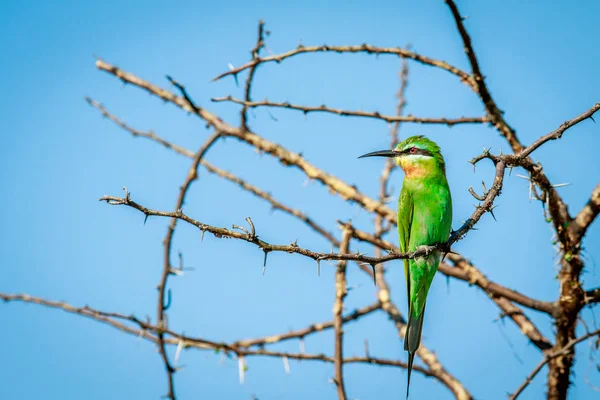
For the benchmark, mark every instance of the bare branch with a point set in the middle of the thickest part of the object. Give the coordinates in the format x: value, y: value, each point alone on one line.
x: 555, y: 134
x: 260, y: 43
x: 495, y: 114
x: 486, y: 206
x: 182, y: 102
x: 341, y: 290
x: 314, y: 328
x: 294, y: 248
x: 363, y: 48
x: 587, y: 215
x: 549, y: 356
x: 592, y: 296
x: 349, y: 113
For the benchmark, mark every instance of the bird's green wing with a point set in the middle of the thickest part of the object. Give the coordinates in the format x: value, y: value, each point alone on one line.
x: 405, y: 216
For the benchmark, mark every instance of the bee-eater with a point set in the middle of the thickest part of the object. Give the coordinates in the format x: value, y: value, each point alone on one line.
x: 424, y: 219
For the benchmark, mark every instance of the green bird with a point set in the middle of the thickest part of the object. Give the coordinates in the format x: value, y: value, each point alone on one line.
x: 424, y: 219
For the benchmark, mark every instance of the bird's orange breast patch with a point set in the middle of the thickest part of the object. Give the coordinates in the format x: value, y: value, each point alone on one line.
x: 412, y: 169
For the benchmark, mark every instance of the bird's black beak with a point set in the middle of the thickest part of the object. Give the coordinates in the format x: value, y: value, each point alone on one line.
x: 381, y: 153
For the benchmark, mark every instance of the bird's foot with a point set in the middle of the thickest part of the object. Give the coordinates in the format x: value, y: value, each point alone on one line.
x: 426, y: 250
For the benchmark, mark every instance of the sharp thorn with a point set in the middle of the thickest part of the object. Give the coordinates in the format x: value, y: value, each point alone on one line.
x: 166, y: 306
x: 374, y: 274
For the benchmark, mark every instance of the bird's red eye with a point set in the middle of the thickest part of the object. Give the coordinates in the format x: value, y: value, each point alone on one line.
x: 413, y: 150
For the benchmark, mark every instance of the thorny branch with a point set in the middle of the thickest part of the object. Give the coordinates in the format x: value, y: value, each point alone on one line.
x: 362, y: 48
x: 592, y: 296
x: 263, y: 245
x: 349, y: 113
x: 587, y: 215
x: 301, y: 333
x: 260, y: 43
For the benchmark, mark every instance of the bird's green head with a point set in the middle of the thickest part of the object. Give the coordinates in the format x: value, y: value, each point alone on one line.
x: 417, y: 156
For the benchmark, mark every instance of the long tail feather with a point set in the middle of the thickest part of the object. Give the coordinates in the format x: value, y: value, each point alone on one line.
x: 411, y: 358
x: 412, y: 340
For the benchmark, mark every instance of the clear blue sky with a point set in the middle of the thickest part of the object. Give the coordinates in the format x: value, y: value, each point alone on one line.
x: 58, y: 156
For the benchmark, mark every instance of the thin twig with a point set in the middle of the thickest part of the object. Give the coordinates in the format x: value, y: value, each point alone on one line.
x: 549, y: 356
x: 363, y: 48
x: 587, y: 215
x: 350, y: 113
x: 314, y: 328
x: 260, y: 43
x: 167, y: 269
x: 341, y: 290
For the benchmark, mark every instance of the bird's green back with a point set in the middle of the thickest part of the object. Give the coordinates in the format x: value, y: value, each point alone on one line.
x: 424, y: 219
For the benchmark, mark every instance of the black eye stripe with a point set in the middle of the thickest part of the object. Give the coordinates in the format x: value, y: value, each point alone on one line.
x: 418, y: 151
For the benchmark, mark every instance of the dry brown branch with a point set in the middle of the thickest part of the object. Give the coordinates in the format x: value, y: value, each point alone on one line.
x: 363, y: 48
x: 341, y: 290
x: 555, y: 134
x: 260, y: 43
x: 495, y: 114
x: 314, y: 328
x: 350, y: 113
x: 192, y: 175
x: 137, y: 133
x: 263, y: 245
x: 550, y: 356
x: 592, y: 296
x: 587, y: 215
